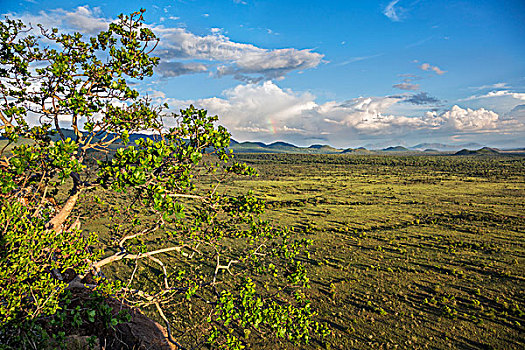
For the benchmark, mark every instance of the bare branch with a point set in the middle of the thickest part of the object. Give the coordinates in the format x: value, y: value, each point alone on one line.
x: 222, y: 267
x: 56, y: 222
x: 186, y: 195
x: 141, y: 233
x: 5, y: 121
x: 158, y: 261
x: 120, y: 256
x: 259, y: 247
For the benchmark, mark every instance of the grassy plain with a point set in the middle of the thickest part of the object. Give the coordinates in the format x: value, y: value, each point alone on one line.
x: 409, y: 252
x: 422, y: 252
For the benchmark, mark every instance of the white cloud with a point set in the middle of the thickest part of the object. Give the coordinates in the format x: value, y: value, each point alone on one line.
x: 427, y: 67
x: 391, y: 12
x: 83, y: 19
x: 237, y: 59
x: 491, y: 86
x: 157, y: 94
x: 500, y: 101
x: 499, y: 93
x: 267, y: 112
x: 461, y: 119
x: 245, y: 62
x: 263, y: 106
x: 367, y: 115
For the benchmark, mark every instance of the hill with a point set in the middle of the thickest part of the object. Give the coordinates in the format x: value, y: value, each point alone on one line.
x: 396, y: 149
x: 360, y: 150
x: 480, y: 152
x: 280, y: 147
x: 288, y: 148
x: 322, y: 149
x: 444, y: 147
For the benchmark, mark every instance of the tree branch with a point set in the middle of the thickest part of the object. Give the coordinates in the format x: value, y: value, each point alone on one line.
x: 120, y: 256
x: 223, y: 267
x: 56, y: 222
x: 143, y: 232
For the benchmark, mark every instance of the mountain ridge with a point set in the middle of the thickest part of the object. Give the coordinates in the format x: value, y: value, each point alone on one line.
x: 286, y: 147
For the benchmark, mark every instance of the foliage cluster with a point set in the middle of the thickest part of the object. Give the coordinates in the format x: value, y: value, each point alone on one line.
x: 189, y: 245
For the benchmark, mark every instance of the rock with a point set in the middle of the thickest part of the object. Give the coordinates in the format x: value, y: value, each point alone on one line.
x: 140, y: 333
x: 143, y: 333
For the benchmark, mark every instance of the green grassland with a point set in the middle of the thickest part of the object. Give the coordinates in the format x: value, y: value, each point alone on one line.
x: 409, y: 252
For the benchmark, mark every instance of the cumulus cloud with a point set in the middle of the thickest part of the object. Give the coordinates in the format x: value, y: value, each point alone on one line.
x: 428, y: 67
x: 406, y: 86
x: 263, y: 107
x: 267, y: 112
x: 271, y: 64
x: 245, y: 62
x: 461, y: 119
x: 367, y: 115
x: 266, y: 108
x: 83, y: 19
x: 236, y: 59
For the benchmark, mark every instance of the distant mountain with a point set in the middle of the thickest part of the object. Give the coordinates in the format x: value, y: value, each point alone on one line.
x: 396, y: 149
x: 319, y: 146
x: 323, y: 149
x: 360, y: 150
x: 68, y: 133
x: 514, y: 149
x: 280, y: 147
x: 479, y: 152
x: 285, y: 147
x: 445, y: 147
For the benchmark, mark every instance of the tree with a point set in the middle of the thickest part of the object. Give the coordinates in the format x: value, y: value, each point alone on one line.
x: 184, y: 243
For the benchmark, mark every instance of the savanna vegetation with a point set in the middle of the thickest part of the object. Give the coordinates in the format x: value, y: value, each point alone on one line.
x: 183, y: 246
x: 317, y: 251
x: 408, y: 251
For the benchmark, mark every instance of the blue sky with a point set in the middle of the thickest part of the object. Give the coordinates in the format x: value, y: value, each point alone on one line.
x: 345, y: 73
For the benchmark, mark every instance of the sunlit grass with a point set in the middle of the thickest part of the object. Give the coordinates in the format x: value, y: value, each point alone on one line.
x: 413, y: 252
